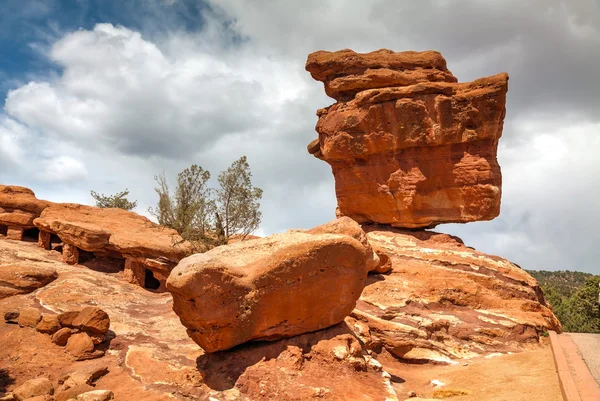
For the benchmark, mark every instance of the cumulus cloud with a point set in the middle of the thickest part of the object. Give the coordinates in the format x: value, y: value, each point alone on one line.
x: 63, y: 169
x: 128, y: 104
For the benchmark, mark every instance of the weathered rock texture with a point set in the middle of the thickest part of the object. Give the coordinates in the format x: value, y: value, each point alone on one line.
x: 279, y: 286
x: 445, y: 301
x: 151, y: 358
x: 408, y: 145
x: 21, y: 279
x: 139, y: 244
x: 18, y: 208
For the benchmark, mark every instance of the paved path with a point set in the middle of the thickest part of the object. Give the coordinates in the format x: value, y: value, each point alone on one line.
x: 589, y: 348
x: 576, y: 380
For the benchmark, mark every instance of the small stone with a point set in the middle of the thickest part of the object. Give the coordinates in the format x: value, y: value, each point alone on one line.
x: 66, y: 318
x: 29, y: 317
x: 33, y: 388
x: 86, y: 376
x: 66, y: 394
x: 48, y: 325
x: 11, y: 317
x: 81, y: 346
x: 7, y: 397
x: 61, y: 336
x: 92, y: 319
x: 412, y: 394
x: 96, y: 395
x: 97, y: 338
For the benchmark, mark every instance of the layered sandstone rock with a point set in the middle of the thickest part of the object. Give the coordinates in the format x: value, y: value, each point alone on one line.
x: 443, y: 300
x: 268, y: 288
x: 138, y: 243
x: 408, y: 145
x: 18, y: 208
x: 22, y: 278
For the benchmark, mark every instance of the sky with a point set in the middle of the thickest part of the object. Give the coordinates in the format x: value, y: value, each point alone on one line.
x: 105, y: 94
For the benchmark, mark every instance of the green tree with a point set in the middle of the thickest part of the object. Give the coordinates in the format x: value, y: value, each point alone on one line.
x: 238, y: 201
x: 188, y: 210
x: 118, y: 200
x: 206, y: 217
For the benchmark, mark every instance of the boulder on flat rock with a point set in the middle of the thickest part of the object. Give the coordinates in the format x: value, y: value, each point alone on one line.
x: 407, y: 144
x: 268, y: 288
x: 23, y: 279
x: 93, y: 320
x: 81, y: 347
x: 33, y: 388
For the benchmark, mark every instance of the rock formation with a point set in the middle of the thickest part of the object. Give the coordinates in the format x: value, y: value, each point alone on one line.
x: 407, y: 144
x: 145, y: 251
x: 21, y: 279
x: 268, y: 288
x: 142, y: 247
x: 18, y: 208
x: 444, y: 301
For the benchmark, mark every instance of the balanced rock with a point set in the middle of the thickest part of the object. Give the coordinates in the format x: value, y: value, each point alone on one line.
x: 408, y: 145
x: 268, y: 288
x: 22, y: 279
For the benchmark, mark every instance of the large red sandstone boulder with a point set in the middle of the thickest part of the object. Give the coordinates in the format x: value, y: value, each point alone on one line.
x: 408, y: 145
x: 444, y: 301
x: 268, y: 288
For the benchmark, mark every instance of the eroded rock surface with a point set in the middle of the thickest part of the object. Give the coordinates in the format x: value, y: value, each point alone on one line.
x: 444, y: 301
x: 18, y: 208
x: 279, y: 286
x: 149, y: 356
x: 408, y: 145
x: 23, y: 278
x: 125, y: 237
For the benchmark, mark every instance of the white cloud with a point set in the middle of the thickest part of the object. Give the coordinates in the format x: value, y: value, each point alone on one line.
x: 63, y: 169
x: 12, y: 136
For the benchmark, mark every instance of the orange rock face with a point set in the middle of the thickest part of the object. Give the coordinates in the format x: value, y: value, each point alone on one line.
x: 444, y: 301
x: 114, y: 233
x: 269, y: 288
x: 408, y: 145
x: 18, y: 208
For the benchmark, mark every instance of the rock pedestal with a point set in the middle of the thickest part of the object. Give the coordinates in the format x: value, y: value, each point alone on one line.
x: 44, y: 240
x: 70, y: 254
x: 14, y: 233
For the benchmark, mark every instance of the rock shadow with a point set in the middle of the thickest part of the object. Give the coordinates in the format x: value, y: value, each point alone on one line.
x: 5, y: 380
x: 221, y: 370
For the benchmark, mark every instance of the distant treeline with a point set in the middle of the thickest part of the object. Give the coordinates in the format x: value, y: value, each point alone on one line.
x: 574, y: 298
